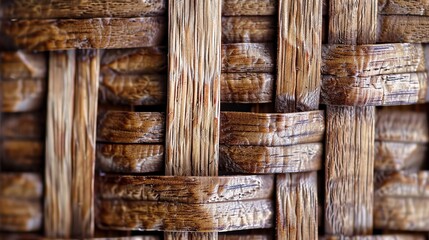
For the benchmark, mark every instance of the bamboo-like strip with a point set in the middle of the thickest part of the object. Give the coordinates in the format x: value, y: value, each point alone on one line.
x: 403, y: 28
x: 19, y: 65
x: 248, y: 29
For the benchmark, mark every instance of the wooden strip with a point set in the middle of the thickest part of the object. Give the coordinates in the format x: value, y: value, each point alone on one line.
x: 380, y: 237
x: 249, y: 7
x: 381, y: 90
x: 60, y: 34
x: 22, y: 155
x: 372, y: 60
x: 130, y: 127
x: 197, y: 190
x: 296, y: 201
x: 20, y: 215
x: 130, y: 158
x: 21, y: 186
x: 224, y: 216
x: 22, y: 95
x: 247, y: 87
x: 298, y: 55
x: 248, y: 57
x: 403, y: 7
x: 26, y: 125
x: 22, y: 9
x: 244, y: 236
x: 396, y: 156
x: 19, y: 65
x: 406, y: 185
x: 248, y: 29
x: 239, y: 128
x: 402, y: 28
x: 261, y: 159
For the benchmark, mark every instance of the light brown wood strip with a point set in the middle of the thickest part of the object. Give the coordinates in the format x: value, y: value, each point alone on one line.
x: 248, y: 29
x: 226, y: 216
x: 131, y: 127
x: 26, y: 125
x: 396, y: 156
x: 403, y: 7
x: 371, y: 60
x: 249, y: 7
x: 247, y: 87
x: 22, y: 155
x: 33, y: 9
x: 402, y: 28
x: 381, y: 90
x: 130, y: 158
x: 248, y: 57
x: 265, y: 160
x: 242, y: 236
x: 380, y: 237
x: 22, y: 95
x: 296, y: 201
x: 19, y: 64
x: 298, y: 55
x: 20, y: 215
x: 405, y: 185
x: 21, y: 186
x: 61, y: 34
x: 197, y: 190
x: 239, y: 128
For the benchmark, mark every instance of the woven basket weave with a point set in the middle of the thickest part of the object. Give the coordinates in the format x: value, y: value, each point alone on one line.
x: 210, y: 119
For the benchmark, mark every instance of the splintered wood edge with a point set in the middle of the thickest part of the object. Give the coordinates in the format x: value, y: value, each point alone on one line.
x: 212, y: 217
x: 198, y: 189
x: 21, y: 185
x: 403, y: 184
x: 396, y: 156
x: 247, y: 29
x: 266, y: 160
x: 20, y: 215
x: 20, y: 64
x: 403, y: 28
x: 240, y: 128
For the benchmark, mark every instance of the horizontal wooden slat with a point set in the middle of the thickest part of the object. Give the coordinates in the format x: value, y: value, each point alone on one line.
x: 406, y: 185
x: 60, y: 34
x: 22, y: 155
x: 403, y: 7
x: 247, y: 87
x: 186, y: 189
x: 20, y: 215
x: 130, y: 158
x: 131, y: 127
x: 250, y: 235
x: 396, y: 156
x: 239, y: 128
x: 381, y: 90
x: 249, y: 7
x: 224, y: 216
x: 21, y: 185
x: 379, y: 237
x: 248, y: 57
x: 403, y: 28
x: 22, y: 95
x: 19, y: 64
x: 248, y: 29
x: 25, y: 125
x: 261, y: 159
x: 371, y: 60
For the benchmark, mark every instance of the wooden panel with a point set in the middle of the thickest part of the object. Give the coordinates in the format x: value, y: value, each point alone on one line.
x: 130, y: 158
x: 197, y: 190
x: 247, y: 87
x: 19, y: 64
x: 395, y: 156
x: 20, y: 215
x: 27, y: 125
x: 249, y: 7
x: 22, y: 155
x: 225, y: 216
x: 382, y: 90
x: 371, y: 60
x: 131, y: 127
x: 248, y: 29
x: 248, y: 57
x: 261, y: 159
x: 298, y: 55
x: 22, y: 95
x: 406, y: 185
x: 403, y: 7
x: 402, y: 28
x: 60, y: 34
x: 21, y: 186
x: 239, y: 128
x: 80, y: 9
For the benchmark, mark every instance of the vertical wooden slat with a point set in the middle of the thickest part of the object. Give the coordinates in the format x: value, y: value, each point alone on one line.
x: 350, y: 132
x: 193, y: 107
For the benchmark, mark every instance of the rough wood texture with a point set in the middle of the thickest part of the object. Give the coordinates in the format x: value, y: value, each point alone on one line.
x: 261, y: 159
x: 20, y: 215
x: 298, y: 55
x: 371, y: 60
x: 22, y: 155
x: 407, y: 185
x: 21, y: 186
x: 28, y: 125
x: 296, y: 199
x: 382, y: 90
x: 19, y: 64
x: 248, y: 29
x: 130, y: 158
x: 22, y: 95
x: 224, y: 216
x: 403, y: 7
x: 242, y: 236
x: 130, y: 127
x: 35, y: 9
x: 248, y: 57
x: 402, y: 28
x: 183, y: 189
x: 239, y: 128
x: 396, y: 156
x: 247, y: 87
x: 380, y: 237
x: 249, y: 7
x: 61, y: 34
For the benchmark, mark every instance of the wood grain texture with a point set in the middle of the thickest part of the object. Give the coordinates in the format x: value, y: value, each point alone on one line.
x: 265, y: 160
x: 130, y: 158
x: 298, y: 55
x: 22, y: 155
x: 130, y: 127
x: 244, y: 236
x: 20, y: 215
x: 380, y: 237
x: 239, y: 128
x: 219, y: 217
x: 403, y: 7
x: 34, y: 9
x: 21, y: 186
x: 184, y: 189
x: 381, y: 90
x: 371, y: 60
x: 405, y: 185
x: 25, y: 125
x: 249, y: 7
x: 402, y: 28
x: 248, y: 29
x: 22, y: 95
x: 248, y: 57
x: 396, y: 156
x: 62, y: 34
x: 20, y: 64
x: 247, y: 87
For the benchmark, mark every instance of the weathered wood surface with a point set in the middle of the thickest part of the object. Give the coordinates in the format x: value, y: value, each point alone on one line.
x: 22, y: 95
x: 248, y: 29
x: 61, y: 34
x: 296, y: 199
x: 371, y: 60
x: 183, y: 189
x: 396, y: 156
x: 403, y: 7
x: 223, y: 216
x: 381, y: 90
x: 22, y: 155
x: 28, y: 125
x: 262, y: 159
x: 403, y: 28
x: 21, y: 186
x: 130, y: 158
x: 247, y: 87
x: 19, y: 215
x: 130, y: 127
x: 380, y: 237
x: 248, y: 57
x: 244, y: 236
x: 19, y: 65
x: 406, y: 185
x: 239, y: 128
x: 298, y: 55
x: 249, y: 7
